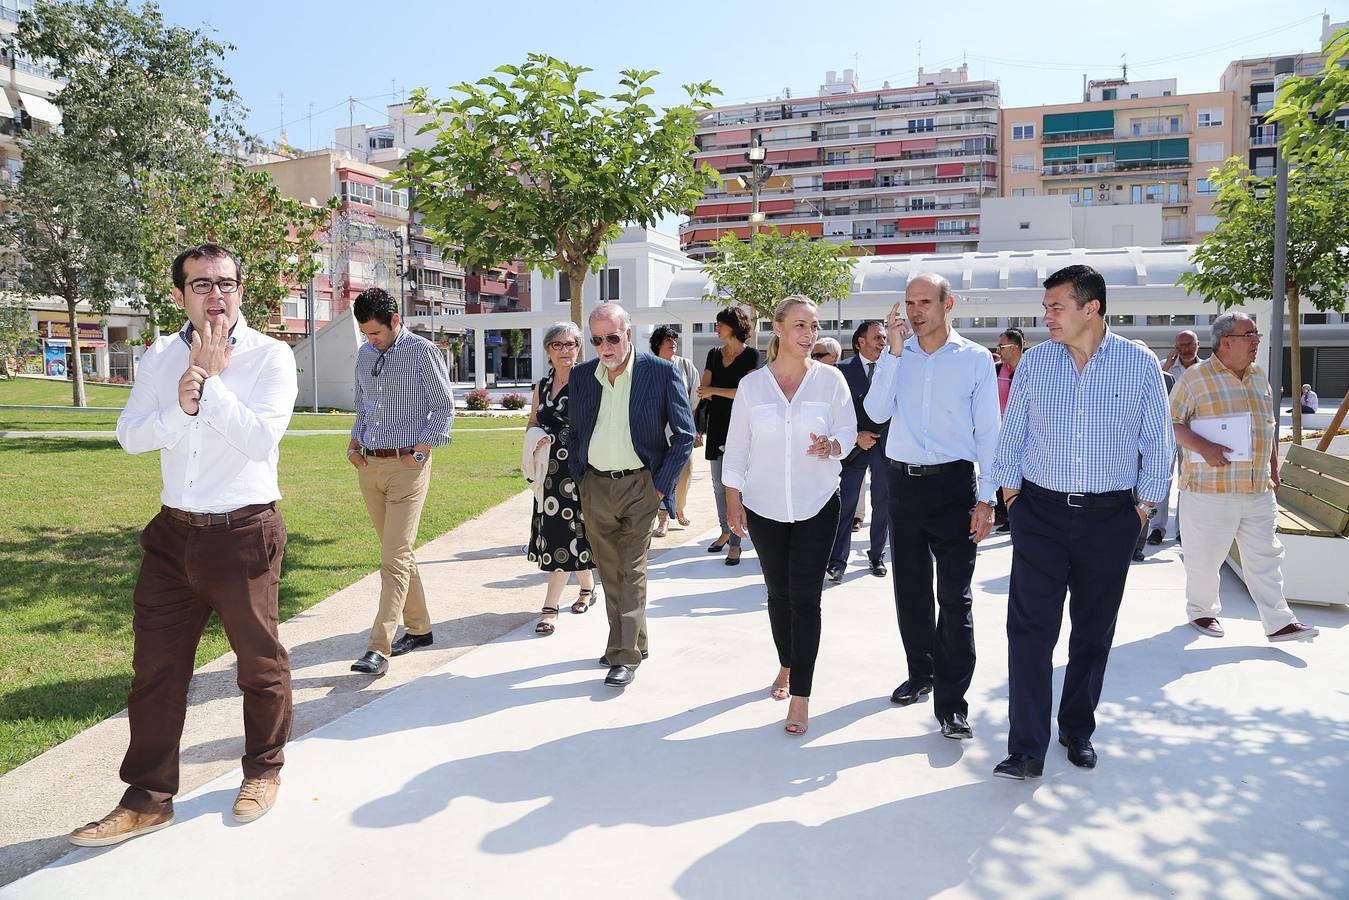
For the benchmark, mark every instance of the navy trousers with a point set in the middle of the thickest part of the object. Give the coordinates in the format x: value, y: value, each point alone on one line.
x: 930, y: 523
x: 850, y: 488
x: 1059, y: 549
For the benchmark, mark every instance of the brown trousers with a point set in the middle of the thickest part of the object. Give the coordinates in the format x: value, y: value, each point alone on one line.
x: 187, y: 572
x: 394, y: 495
x: 618, y: 515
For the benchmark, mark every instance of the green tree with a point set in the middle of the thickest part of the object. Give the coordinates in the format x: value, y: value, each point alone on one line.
x: 1306, y: 107
x: 515, y: 345
x: 15, y: 327
x: 1235, y: 263
x: 759, y: 272
x: 141, y: 166
x: 536, y: 168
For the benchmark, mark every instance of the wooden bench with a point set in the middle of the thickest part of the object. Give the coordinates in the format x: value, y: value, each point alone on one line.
x: 1313, y: 525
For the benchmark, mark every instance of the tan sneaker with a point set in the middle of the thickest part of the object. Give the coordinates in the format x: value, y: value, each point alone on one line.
x: 256, y: 797
x: 121, y: 824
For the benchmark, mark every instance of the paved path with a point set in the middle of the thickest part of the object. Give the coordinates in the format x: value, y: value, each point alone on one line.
x: 512, y: 771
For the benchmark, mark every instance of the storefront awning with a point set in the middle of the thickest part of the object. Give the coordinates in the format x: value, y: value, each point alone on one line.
x: 6, y: 111
x: 41, y: 108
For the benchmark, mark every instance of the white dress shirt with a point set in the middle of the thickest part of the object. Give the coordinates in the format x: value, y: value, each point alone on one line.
x: 766, y: 445
x: 225, y: 456
x: 942, y: 406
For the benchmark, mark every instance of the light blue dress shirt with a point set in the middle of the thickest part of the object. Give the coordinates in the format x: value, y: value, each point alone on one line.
x: 942, y: 406
x: 1086, y: 433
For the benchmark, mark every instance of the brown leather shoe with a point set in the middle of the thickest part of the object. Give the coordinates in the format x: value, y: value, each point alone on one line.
x: 256, y: 797
x: 121, y: 824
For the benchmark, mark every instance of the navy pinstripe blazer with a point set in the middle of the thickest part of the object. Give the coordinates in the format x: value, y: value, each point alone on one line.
x: 658, y: 399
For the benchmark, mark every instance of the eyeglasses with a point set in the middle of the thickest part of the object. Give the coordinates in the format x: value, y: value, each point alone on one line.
x: 559, y: 346
x: 1250, y: 335
x: 614, y: 339
x: 1008, y: 347
x: 379, y: 365
x: 204, y: 285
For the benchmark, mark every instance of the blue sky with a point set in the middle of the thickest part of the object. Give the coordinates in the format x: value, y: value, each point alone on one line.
x: 320, y: 53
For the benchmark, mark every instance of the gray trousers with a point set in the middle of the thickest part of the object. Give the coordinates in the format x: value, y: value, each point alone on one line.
x: 719, y: 491
x: 619, y: 513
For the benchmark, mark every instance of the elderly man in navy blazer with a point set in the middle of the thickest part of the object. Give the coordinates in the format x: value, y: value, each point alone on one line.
x: 621, y: 406
x: 868, y: 343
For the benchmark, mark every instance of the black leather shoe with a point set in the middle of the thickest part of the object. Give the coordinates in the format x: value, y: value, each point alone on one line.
x: 956, y: 727
x: 910, y: 692
x: 620, y: 676
x: 373, y: 663
x: 878, y: 568
x: 834, y: 574
x: 409, y: 642
x: 1156, y: 537
x: 604, y: 660
x: 1138, y: 556
x: 1080, y: 752
x: 1019, y: 767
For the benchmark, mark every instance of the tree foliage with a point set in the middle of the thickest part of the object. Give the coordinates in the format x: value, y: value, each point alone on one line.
x: 1306, y: 107
x: 529, y: 165
x: 1235, y: 263
x: 15, y: 327
x: 759, y: 272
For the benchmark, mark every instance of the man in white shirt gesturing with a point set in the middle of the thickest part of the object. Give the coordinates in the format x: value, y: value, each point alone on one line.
x: 214, y: 399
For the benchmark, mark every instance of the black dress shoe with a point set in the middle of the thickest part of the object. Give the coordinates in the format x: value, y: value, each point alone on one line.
x: 1138, y: 556
x: 878, y: 568
x: 1019, y: 767
x: 373, y: 663
x: 834, y: 574
x: 1156, y: 537
x: 604, y: 660
x: 957, y: 727
x: 910, y: 692
x: 409, y: 642
x: 1080, y: 752
x: 620, y: 676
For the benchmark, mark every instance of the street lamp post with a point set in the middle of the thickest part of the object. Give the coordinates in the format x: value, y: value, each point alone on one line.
x: 759, y: 173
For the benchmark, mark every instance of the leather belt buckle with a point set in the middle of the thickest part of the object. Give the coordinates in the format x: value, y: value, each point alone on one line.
x: 913, y: 471
x: 1081, y: 505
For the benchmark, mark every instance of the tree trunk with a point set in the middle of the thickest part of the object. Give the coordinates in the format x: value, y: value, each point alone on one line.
x: 576, y: 278
x: 1295, y: 351
x: 76, y: 377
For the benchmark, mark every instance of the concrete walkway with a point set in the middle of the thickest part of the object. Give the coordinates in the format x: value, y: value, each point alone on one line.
x: 512, y: 771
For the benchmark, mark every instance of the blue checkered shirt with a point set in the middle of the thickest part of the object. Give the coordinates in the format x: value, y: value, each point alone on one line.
x: 409, y: 402
x: 1086, y: 433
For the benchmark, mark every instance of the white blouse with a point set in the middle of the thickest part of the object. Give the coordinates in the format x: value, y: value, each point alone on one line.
x: 766, y: 446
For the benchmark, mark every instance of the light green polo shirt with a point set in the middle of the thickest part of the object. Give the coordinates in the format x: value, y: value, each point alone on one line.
x: 611, y: 444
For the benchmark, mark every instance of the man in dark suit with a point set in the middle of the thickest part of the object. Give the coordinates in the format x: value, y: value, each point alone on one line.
x: 621, y: 405
x: 868, y: 343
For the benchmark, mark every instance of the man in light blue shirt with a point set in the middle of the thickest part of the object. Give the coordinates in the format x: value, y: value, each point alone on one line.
x: 940, y: 394
x: 1084, y: 408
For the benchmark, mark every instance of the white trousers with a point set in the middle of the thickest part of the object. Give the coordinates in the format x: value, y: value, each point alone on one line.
x: 1212, y: 521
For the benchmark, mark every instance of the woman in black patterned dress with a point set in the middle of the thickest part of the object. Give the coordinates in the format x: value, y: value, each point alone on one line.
x: 557, y: 538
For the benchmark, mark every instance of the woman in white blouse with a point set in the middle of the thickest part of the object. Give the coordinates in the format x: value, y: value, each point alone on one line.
x: 791, y: 423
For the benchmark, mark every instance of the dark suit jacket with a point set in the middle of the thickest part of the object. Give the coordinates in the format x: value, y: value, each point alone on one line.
x: 855, y: 373
x: 658, y: 399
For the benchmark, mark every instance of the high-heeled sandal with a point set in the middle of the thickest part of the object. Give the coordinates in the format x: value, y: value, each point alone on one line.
x: 733, y: 560
x: 545, y: 628
x: 584, y: 602
x: 682, y: 519
x: 780, y: 693
x: 719, y: 544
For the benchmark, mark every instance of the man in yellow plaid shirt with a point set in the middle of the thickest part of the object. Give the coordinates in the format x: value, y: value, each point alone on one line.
x: 1225, y: 498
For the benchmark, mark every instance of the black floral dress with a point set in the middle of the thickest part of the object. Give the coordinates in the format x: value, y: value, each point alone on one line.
x: 557, y: 537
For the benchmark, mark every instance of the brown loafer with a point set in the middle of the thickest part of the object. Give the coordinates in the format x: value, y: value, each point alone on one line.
x: 256, y: 797
x: 121, y: 824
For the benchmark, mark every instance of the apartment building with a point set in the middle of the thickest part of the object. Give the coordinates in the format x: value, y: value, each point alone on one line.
x: 898, y: 170
x: 1125, y: 143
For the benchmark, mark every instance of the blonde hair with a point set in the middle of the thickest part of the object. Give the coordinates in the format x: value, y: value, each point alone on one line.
x: 780, y: 315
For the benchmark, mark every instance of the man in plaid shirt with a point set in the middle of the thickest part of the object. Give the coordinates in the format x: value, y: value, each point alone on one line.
x: 1225, y: 498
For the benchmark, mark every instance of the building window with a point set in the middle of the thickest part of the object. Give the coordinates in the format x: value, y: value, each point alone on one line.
x: 1211, y: 152
x: 919, y: 125
x: 609, y: 286
x: 1023, y: 132
x: 1110, y: 94
x: 1210, y: 118
x: 983, y: 322
x: 1205, y: 186
x: 563, y: 288
x: 1136, y: 193
x: 1153, y: 193
x: 1173, y: 193
x: 1022, y: 322
x: 1120, y: 320
x: 1088, y: 195
x: 1023, y: 192
x: 355, y: 192
x: 1024, y: 163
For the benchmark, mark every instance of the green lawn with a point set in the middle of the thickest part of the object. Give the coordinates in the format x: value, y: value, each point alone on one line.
x: 72, y: 420
x: 69, y: 554
x: 38, y: 392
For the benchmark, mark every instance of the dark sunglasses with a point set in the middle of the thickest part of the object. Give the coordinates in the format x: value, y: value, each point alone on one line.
x: 614, y: 339
x: 378, y: 366
x: 818, y: 355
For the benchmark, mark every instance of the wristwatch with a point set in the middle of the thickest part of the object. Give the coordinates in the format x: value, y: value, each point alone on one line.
x: 419, y: 456
x: 1149, y: 509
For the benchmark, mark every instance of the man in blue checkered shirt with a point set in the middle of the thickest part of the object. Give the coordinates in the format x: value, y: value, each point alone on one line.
x: 1085, y: 406
x: 404, y: 406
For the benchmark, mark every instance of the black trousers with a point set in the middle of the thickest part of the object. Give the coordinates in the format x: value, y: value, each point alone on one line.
x: 1058, y: 549
x: 850, y: 489
x: 793, y: 556
x: 930, y: 522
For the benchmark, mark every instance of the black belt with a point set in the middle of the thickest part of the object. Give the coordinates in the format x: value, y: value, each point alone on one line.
x: 386, y: 454
x: 616, y: 474
x: 1080, y: 501
x: 206, y: 520
x: 916, y: 471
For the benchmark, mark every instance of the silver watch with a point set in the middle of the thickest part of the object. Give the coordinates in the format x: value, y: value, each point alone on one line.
x: 419, y: 456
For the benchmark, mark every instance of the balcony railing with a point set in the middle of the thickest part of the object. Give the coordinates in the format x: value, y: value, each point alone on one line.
x: 1067, y: 137
x: 1264, y: 140
x: 788, y: 110
x: 1264, y: 106
x: 1112, y: 167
